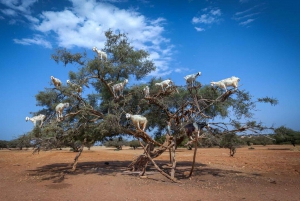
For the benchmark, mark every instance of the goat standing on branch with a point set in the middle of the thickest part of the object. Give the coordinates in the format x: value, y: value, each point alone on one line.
x: 138, y: 120
x: 76, y: 87
x: 34, y: 119
x: 57, y: 83
x: 59, y: 110
x: 193, y: 128
x: 190, y: 79
x: 146, y: 92
x: 166, y: 83
x: 119, y: 88
x: 100, y: 53
x: 232, y: 81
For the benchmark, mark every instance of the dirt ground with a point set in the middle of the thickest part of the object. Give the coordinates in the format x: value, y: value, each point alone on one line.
x: 263, y: 173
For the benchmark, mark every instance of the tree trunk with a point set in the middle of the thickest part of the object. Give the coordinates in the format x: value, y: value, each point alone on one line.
x: 78, y: 155
x: 145, y: 165
x: 195, y: 153
x: 156, y: 166
x: 141, y: 161
x: 173, y: 159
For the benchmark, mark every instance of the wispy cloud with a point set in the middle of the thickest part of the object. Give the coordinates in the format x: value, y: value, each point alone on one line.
x: 216, y: 12
x: 31, y: 18
x: 199, y: 29
x: 17, y: 9
x: 247, y: 11
x: 246, y: 22
x: 9, y: 12
x: 114, y: 1
x: 36, y: 40
x: 22, y: 6
x: 246, y: 17
x: 181, y: 70
x: 83, y: 25
x: 209, y: 16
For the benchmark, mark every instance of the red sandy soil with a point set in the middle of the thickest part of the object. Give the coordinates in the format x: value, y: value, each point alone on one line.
x: 259, y: 174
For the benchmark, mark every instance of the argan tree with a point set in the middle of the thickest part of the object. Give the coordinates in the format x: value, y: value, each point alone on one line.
x: 287, y: 135
x: 101, y: 115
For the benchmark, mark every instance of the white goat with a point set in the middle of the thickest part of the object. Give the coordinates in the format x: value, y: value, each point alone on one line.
x: 76, y: 87
x: 100, y: 53
x: 119, y: 88
x: 56, y: 81
x: 168, y: 83
x: 146, y: 92
x: 190, y: 79
x: 138, y: 120
x: 232, y: 81
x: 34, y: 119
x: 59, y: 110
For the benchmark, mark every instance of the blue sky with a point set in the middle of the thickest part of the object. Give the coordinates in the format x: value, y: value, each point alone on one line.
x: 255, y: 40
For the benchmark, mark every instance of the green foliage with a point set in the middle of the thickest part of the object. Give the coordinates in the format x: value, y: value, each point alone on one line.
x: 229, y: 140
x: 100, y: 115
x: 258, y: 140
x: 3, y: 144
x: 284, y: 135
x: 160, y: 139
x: 272, y: 101
x: 23, y: 141
x: 134, y: 144
x: 116, y: 142
x: 211, y: 140
x: 67, y: 58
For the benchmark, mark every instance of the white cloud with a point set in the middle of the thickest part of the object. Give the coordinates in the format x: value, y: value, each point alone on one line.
x: 210, y: 16
x: 204, y: 19
x: 9, y: 12
x: 114, y: 1
x: 216, y: 12
x: 158, y: 21
x: 182, y: 70
x: 84, y: 23
x: 31, y: 19
x: 246, y: 11
x: 246, y: 17
x: 19, y: 5
x: 159, y: 73
x: 36, y: 40
x: 246, y: 22
x: 199, y: 29
x: 55, y: 21
x: 17, y: 9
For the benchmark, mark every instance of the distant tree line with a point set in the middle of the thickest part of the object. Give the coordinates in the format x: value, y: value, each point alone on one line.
x: 282, y: 135
x: 119, y: 142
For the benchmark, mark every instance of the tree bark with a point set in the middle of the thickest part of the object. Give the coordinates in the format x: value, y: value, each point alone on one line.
x: 78, y: 155
x: 141, y: 161
x: 156, y: 166
x: 173, y: 158
x: 195, y: 153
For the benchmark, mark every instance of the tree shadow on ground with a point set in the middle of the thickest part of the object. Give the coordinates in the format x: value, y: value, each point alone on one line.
x: 56, y: 172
